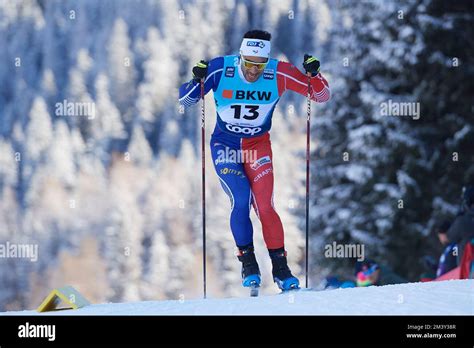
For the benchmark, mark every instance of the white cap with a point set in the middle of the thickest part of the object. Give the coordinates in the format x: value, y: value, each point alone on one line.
x: 255, y: 48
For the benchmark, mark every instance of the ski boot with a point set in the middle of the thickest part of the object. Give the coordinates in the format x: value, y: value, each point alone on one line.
x: 250, y: 271
x: 281, y: 273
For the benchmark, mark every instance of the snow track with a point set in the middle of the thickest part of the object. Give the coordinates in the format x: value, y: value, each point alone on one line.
x: 454, y: 297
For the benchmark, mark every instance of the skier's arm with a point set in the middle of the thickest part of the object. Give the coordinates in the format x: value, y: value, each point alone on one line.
x: 190, y: 92
x: 291, y: 78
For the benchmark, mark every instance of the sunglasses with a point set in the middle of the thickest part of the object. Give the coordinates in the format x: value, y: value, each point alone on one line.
x: 249, y: 64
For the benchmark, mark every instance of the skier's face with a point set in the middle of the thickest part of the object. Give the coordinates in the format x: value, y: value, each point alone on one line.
x: 443, y: 238
x: 252, y: 67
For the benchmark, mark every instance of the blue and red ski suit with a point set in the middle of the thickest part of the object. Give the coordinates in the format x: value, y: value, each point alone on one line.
x: 244, y: 117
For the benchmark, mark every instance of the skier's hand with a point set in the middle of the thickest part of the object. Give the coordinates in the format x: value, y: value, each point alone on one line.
x: 200, y: 70
x: 311, y: 65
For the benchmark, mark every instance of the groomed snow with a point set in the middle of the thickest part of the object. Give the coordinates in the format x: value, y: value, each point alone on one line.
x: 454, y: 297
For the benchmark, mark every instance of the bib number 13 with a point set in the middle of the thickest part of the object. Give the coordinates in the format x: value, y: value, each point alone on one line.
x: 251, y: 112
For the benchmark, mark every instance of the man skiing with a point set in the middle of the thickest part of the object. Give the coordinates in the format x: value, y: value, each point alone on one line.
x: 246, y: 89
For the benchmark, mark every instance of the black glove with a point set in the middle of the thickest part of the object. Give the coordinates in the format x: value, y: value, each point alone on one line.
x: 311, y: 65
x: 200, y: 70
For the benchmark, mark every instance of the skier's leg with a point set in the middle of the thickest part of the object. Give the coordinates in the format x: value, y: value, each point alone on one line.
x: 260, y: 174
x: 236, y: 185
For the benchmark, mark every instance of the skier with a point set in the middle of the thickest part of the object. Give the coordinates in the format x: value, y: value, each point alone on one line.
x: 462, y: 229
x: 246, y: 89
x: 367, y: 273
x: 449, y: 258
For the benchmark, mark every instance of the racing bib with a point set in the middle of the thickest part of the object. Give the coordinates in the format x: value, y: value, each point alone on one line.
x: 246, y: 109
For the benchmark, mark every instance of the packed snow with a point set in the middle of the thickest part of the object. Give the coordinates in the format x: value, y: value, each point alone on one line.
x: 454, y: 297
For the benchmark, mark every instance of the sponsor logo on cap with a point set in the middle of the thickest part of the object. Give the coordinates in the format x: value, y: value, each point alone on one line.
x: 256, y: 44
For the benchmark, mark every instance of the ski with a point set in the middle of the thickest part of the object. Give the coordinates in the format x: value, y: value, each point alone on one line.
x: 254, y: 289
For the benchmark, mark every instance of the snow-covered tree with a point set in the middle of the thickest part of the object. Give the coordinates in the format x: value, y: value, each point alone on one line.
x: 8, y: 165
x: 39, y: 134
x: 121, y: 66
x: 107, y: 124
x: 139, y: 149
x: 373, y: 183
x: 123, y: 235
x: 350, y: 143
x: 78, y: 94
x: 159, y: 76
x: 60, y: 159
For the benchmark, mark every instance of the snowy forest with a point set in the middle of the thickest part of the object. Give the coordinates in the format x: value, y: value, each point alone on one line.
x: 111, y: 193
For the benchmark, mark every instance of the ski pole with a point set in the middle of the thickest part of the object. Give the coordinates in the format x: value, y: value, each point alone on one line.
x: 203, y: 163
x: 308, y: 130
